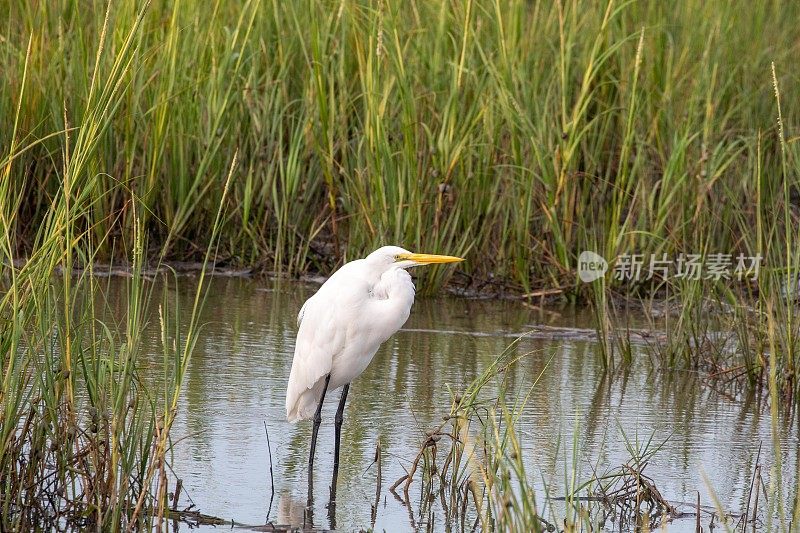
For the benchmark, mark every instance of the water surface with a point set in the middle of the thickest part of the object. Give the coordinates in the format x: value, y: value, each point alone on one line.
x: 236, y: 384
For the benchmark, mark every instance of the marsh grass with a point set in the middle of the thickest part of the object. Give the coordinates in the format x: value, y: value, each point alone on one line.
x: 510, y: 132
x: 742, y: 333
x: 83, y: 439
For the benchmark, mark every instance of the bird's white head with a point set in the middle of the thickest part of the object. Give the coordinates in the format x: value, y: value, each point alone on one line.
x: 396, y: 257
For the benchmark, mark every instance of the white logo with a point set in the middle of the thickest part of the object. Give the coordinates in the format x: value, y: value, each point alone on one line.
x: 591, y: 266
x: 635, y: 267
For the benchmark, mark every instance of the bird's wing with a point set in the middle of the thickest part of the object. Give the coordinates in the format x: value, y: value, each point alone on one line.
x: 321, y: 335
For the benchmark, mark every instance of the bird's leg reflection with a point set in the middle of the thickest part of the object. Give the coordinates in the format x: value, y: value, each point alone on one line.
x: 308, y: 513
x: 332, y: 514
x: 314, y: 431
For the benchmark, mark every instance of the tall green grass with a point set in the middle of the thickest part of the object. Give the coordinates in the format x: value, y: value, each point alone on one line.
x: 83, y: 439
x: 513, y: 132
x: 743, y: 332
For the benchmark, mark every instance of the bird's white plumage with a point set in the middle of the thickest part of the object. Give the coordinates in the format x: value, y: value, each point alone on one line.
x: 342, y: 326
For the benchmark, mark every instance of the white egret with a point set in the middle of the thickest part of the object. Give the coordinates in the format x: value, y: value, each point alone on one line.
x: 342, y: 326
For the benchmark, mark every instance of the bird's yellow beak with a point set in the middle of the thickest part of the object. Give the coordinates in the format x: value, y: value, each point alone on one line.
x: 428, y: 259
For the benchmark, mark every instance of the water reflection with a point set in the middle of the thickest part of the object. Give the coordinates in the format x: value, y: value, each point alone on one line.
x: 236, y: 383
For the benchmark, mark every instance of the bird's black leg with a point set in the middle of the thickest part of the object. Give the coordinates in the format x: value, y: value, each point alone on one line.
x: 338, y: 421
x: 314, y: 431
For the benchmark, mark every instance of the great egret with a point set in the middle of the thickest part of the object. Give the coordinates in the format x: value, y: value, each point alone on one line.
x: 342, y: 326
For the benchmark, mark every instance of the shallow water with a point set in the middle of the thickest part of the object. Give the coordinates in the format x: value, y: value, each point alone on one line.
x: 236, y: 383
